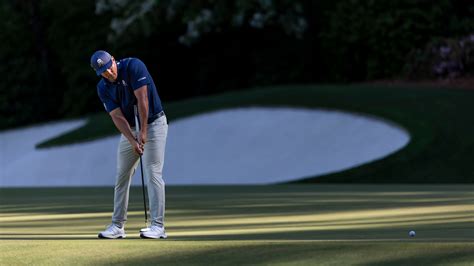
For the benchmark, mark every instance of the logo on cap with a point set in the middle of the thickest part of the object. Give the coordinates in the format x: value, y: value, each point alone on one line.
x: 100, y: 63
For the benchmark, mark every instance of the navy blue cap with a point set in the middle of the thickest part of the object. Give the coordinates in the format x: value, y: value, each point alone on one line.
x: 101, y: 61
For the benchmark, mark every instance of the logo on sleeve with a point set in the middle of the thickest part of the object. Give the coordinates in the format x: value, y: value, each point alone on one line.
x: 142, y: 78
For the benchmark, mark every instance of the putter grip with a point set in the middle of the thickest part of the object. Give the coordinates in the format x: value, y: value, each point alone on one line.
x: 137, y: 125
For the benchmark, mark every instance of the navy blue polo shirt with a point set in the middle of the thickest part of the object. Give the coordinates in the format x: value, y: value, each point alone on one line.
x: 132, y: 74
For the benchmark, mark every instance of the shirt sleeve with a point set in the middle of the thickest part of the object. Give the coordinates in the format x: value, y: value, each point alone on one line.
x: 138, y: 72
x: 107, y: 101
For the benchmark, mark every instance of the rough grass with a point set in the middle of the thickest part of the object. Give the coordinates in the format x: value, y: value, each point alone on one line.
x: 281, y: 225
x: 439, y: 120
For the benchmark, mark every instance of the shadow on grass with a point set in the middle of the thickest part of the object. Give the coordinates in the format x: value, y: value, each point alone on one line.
x: 238, y: 254
x: 351, y: 235
x: 435, y: 258
x: 47, y: 236
x: 311, y: 253
x: 250, y: 213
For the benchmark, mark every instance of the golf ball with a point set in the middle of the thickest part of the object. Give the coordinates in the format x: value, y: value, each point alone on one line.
x: 412, y: 233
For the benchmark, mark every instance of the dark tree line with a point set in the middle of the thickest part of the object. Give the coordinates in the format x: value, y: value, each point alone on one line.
x: 204, y: 47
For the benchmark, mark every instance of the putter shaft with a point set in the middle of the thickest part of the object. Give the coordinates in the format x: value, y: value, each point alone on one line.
x: 137, y: 127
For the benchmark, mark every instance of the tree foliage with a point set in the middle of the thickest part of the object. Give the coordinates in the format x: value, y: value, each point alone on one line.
x: 373, y: 38
x: 203, y: 16
x: 202, y: 47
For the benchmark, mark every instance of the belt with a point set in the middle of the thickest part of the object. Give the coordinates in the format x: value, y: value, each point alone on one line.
x: 152, y: 118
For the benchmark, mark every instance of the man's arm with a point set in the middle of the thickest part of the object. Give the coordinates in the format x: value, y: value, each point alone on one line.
x: 122, y: 125
x: 142, y: 99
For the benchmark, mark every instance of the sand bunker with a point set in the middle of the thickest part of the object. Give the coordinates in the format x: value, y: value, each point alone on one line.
x: 235, y: 146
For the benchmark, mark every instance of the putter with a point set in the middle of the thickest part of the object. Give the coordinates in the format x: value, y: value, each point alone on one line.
x: 137, y: 129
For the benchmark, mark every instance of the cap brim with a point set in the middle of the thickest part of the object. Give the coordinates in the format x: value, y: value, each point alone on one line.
x: 103, y: 68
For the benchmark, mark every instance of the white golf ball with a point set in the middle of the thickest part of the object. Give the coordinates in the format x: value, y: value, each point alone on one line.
x: 412, y: 233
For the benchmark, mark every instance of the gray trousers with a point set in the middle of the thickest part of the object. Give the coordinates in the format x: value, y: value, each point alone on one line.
x: 153, y: 159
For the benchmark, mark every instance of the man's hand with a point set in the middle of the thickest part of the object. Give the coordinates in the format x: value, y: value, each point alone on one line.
x: 137, y: 147
x: 140, y: 142
x: 123, y: 126
x: 143, y: 137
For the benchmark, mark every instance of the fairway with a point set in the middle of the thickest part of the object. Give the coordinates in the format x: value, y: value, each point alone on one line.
x: 285, y: 224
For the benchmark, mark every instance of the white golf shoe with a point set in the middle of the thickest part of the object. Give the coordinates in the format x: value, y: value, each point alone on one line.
x: 154, y: 232
x: 112, y: 232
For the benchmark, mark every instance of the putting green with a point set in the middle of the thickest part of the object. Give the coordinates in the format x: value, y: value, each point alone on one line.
x: 291, y: 224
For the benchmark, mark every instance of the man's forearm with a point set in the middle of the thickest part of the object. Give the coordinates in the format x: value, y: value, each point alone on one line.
x: 142, y: 99
x: 143, y: 112
x: 123, y: 126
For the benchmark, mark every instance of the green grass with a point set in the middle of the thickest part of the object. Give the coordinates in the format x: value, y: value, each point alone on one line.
x: 307, y: 224
x: 287, y: 224
x: 439, y: 120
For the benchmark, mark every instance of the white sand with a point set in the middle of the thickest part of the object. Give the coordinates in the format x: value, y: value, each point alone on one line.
x: 238, y: 146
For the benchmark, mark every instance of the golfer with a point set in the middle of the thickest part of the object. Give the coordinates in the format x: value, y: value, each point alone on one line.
x: 123, y: 85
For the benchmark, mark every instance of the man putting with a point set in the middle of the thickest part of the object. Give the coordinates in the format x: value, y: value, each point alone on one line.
x: 123, y: 85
